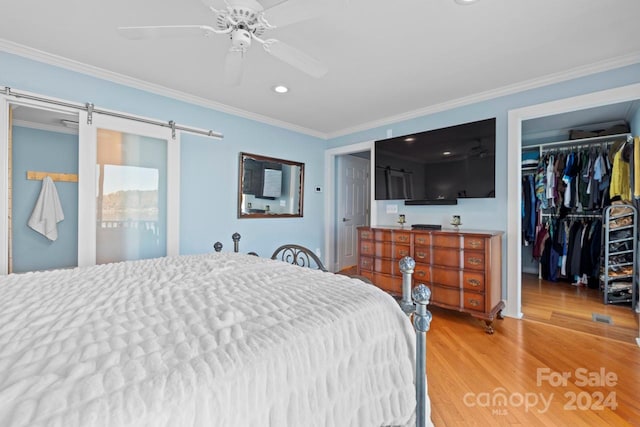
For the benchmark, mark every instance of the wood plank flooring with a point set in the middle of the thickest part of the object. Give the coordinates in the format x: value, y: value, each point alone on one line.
x: 561, y: 304
x: 468, y: 370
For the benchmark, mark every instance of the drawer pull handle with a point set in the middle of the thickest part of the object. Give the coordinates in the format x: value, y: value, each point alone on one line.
x: 420, y: 273
x: 475, y: 261
x: 421, y: 255
x: 403, y: 238
x: 366, y: 235
x: 403, y: 252
x: 421, y: 240
x: 365, y: 247
x: 475, y: 243
x: 366, y: 263
x: 474, y: 302
x: 474, y: 282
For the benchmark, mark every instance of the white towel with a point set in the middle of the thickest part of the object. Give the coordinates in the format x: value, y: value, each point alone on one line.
x: 48, y: 212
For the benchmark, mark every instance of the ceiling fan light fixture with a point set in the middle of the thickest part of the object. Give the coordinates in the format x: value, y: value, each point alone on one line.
x: 280, y: 89
x: 465, y: 2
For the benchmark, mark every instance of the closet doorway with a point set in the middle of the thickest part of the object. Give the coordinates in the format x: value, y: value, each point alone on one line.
x: 40, y: 142
x: 566, y: 298
x: 65, y: 165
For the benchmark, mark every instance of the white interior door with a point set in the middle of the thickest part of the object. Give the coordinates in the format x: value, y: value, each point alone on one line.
x: 352, y: 206
x: 129, y: 190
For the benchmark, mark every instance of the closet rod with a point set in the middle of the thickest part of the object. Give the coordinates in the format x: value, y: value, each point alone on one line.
x: 89, y: 107
x: 572, y: 215
x: 582, y: 141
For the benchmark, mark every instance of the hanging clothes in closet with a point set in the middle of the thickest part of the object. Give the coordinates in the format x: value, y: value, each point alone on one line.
x: 564, y: 204
x: 569, y: 248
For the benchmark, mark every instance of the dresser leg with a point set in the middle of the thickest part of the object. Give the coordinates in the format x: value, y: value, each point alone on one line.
x: 500, y: 315
x: 489, y: 327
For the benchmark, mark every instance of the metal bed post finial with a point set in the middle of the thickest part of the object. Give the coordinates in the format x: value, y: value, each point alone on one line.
x: 217, y: 246
x: 407, y: 264
x: 422, y: 323
x: 236, y: 241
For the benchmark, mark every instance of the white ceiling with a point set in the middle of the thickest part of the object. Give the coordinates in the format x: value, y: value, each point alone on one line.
x: 385, y: 59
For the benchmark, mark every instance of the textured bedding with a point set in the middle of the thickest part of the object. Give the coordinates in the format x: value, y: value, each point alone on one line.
x: 205, y: 340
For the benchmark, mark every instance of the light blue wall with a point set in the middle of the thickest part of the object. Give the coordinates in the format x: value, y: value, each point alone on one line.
x: 39, y: 150
x: 635, y: 122
x: 209, y: 168
x: 484, y: 213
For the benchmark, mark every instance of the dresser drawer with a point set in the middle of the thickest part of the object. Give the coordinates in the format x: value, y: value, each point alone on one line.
x: 445, y: 241
x: 366, y: 263
x: 421, y: 254
x: 367, y: 247
x: 446, y: 277
x: 446, y: 296
x: 388, y: 283
x: 474, y: 243
x: 473, y: 281
x: 401, y: 237
x: 474, y: 260
x: 366, y: 234
x: 401, y: 251
x: 421, y: 274
x: 446, y: 257
x: 422, y: 239
x: 473, y: 301
x: 384, y: 250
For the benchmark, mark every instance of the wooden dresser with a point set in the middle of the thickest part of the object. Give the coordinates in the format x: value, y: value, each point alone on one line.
x: 462, y: 268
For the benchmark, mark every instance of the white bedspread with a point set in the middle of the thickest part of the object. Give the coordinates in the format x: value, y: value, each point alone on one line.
x: 207, y: 340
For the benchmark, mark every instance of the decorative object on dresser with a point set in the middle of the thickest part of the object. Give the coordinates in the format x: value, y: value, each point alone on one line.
x: 461, y: 268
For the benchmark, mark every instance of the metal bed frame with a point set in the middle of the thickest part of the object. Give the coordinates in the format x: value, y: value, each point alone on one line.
x: 414, y: 304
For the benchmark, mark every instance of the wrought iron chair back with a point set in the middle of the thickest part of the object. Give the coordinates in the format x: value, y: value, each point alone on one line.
x: 298, y: 255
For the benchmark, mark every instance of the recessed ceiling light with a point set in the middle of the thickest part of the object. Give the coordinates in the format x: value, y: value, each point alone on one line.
x: 465, y: 2
x: 280, y: 89
x: 446, y: 153
x: 410, y: 139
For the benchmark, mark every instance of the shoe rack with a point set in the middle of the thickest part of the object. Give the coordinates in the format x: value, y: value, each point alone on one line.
x: 619, y: 278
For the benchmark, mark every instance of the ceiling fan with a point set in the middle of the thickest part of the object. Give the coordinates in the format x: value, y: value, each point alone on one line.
x: 244, y: 21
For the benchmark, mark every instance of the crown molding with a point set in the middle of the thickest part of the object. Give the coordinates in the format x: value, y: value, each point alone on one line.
x: 62, y: 62
x: 79, y: 67
x: 547, y: 80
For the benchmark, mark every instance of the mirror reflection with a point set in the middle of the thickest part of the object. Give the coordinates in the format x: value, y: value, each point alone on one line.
x: 269, y: 187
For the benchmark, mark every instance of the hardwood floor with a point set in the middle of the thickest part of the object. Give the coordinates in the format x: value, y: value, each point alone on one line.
x: 561, y: 304
x: 468, y: 370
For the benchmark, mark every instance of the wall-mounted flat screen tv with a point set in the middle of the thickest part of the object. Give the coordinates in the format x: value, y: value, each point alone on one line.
x: 438, y: 165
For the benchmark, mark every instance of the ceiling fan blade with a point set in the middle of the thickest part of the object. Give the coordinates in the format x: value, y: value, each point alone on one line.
x: 284, y: 13
x: 268, y: 4
x: 152, y: 32
x: 215, y: 4
x: 295, y: 58
x: 233, y: 67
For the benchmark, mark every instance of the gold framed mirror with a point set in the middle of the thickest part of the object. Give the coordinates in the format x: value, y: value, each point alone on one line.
x: 269, y: 187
